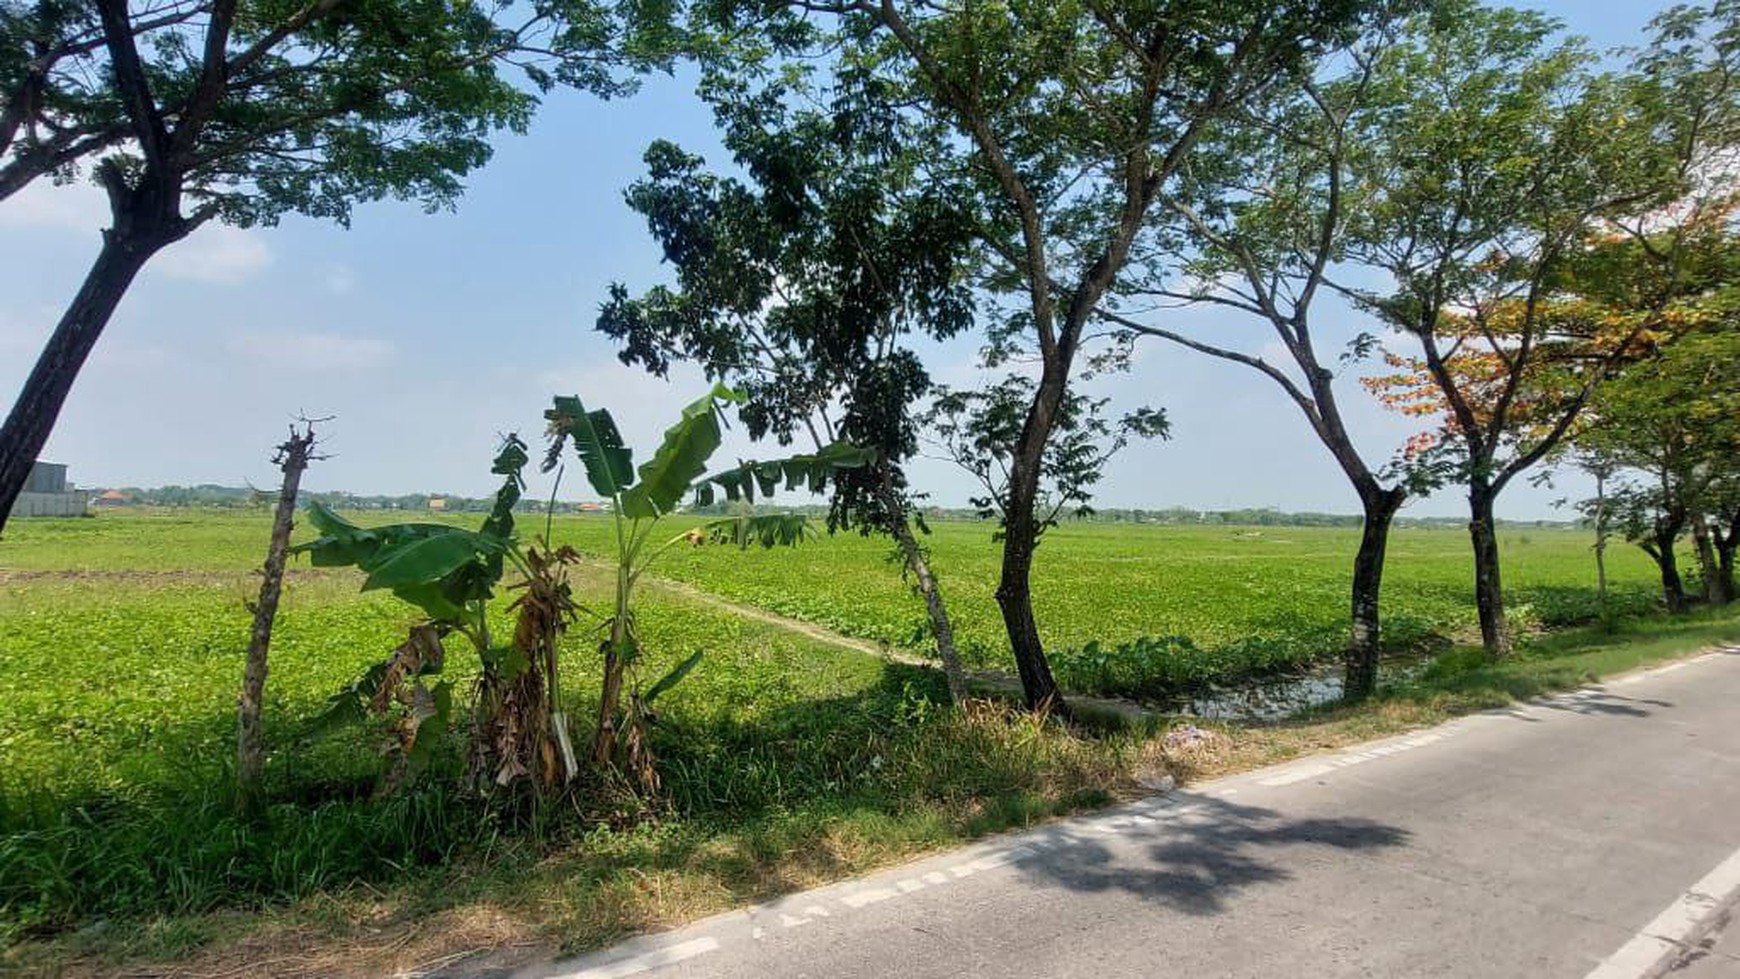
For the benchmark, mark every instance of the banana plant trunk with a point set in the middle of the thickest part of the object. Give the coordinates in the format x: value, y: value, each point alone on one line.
x: 616, y: 654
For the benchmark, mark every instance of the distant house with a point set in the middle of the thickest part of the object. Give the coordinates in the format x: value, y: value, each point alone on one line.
x: 112, y: 498
x: 593, y: 508
x: 48, y: 494
x: 437, y: 502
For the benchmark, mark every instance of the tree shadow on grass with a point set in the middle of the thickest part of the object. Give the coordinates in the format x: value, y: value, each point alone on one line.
x: 1199, y: 862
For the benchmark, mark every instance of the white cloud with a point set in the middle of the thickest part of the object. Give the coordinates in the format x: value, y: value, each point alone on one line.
x: 295, y: 351
x: 216, y: 253
x: 68, y: 207
x: 340, y: 280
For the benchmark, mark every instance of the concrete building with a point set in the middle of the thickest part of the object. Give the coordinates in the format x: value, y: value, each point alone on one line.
x: 48, y: 494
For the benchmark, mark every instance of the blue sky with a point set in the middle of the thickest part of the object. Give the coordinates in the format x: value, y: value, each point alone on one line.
x: 429, y: 335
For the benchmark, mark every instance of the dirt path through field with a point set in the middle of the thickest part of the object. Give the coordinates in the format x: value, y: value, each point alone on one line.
x: 810, y: 629
x: 990, y: 682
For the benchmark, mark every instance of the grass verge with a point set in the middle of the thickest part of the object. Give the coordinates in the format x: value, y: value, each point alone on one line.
x: 792, y: 801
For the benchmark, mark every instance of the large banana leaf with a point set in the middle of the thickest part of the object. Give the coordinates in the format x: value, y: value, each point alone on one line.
x: 609, y: 463
x: 681, y: 459
x: 768, y: 530
x: 810, y: 472
x: 426, y: 559
x: 436, y: 567
x: 508, y: 462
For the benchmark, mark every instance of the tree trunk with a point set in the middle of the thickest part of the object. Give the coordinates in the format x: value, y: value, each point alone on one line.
x: 1726, y: 544
x: 1366, y: 642
x: 1706, y: 550
x: 1021, y: 531
x: 1488, y: 585
x: 45, y: 391
x: 292, y: 459
x: 1723, y: 593
x: 1015, y: 599
x: 1601, y: 544
x: 1661, y: 549
x: 941, y: 629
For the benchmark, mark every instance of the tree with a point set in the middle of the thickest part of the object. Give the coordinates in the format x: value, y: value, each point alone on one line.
x: 190, y: 111
x: 1265, y: 209
x: 1674, y: 418
x: 1501, y: 158
x: 980, y: 429
x: 1068, y: 121
x: 801, y: 289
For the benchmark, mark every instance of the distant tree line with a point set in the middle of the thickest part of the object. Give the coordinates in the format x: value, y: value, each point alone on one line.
x: 246, y: 497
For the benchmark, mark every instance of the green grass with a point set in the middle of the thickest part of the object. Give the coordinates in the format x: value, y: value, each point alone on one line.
x: 117, y: 696
x: 1570, y: 658
x: 787, y: 761
x: 1104, y: 583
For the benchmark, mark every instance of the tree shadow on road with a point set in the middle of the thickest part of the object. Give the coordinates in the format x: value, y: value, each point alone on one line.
x: 1198, y: 861
x: 1599, y: 701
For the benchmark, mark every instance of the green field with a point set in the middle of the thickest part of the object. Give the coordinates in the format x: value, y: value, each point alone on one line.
x: 1107, y: 582
x: 120, y: 654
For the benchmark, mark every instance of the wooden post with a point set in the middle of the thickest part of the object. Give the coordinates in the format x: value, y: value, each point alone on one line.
x: 292, y: 458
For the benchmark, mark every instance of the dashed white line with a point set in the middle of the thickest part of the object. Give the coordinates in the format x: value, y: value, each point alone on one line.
x: 1683, y: 923
x: 869, y: 895
x: 1299, y: 774
x: 642, y: 963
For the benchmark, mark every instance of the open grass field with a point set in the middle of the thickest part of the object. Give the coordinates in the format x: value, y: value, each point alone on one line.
x: 788, y: 759
x: 1110, y: 583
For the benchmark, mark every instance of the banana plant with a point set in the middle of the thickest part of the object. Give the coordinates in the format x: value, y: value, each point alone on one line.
x: 451, y: 573
x: 640, y: 500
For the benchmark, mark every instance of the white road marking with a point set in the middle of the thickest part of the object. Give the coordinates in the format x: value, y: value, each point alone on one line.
x: 1676, y: 928
x: 1299, y: 774
x: 642, y: 963
x: 869, y: 895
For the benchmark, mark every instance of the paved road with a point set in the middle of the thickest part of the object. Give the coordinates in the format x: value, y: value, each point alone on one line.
x: 1595, y: 835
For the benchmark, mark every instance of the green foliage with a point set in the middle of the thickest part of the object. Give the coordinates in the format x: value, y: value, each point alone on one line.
x: 450, y: 574
x: 1219, y: 586
x: 108, y: 760
x: 675, y: 470
x: 981, y: 430
x: 800, y: 284
x: 317, y: 106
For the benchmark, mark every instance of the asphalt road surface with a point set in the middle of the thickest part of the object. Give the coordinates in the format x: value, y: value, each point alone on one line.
x: 1590, y: 836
